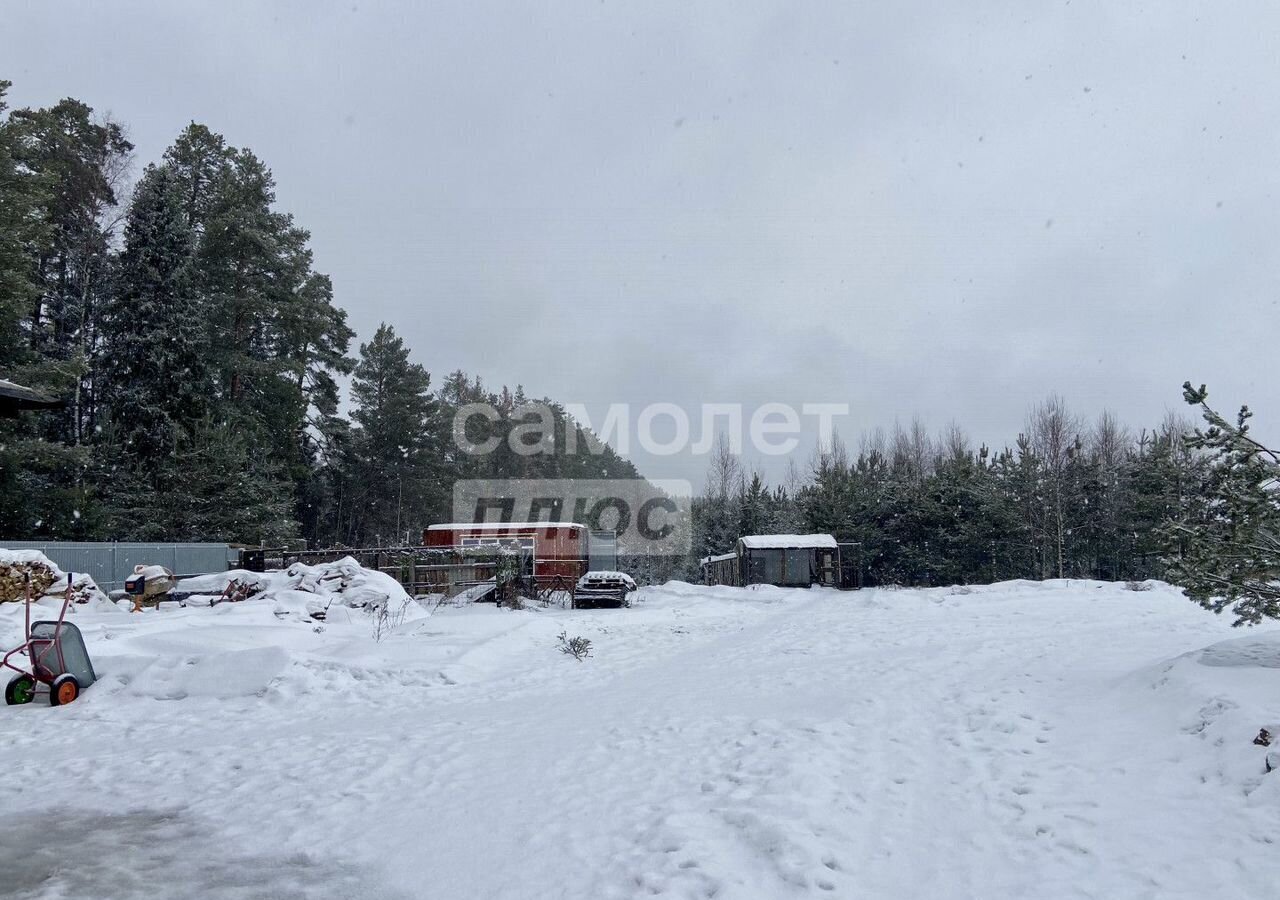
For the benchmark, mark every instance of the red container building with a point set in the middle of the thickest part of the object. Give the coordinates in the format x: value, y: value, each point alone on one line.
x: 559, y: 548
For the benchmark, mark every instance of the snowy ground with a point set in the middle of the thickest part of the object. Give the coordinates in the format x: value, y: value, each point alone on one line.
x: 1020, y: 740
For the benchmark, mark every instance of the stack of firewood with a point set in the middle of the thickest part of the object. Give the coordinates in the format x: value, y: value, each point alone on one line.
x: 11, y: 579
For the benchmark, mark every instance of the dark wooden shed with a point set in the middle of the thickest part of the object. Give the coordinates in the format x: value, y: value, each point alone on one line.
x: 784, y: 560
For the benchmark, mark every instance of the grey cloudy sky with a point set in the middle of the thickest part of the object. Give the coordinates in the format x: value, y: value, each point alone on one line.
x: 936, y: 209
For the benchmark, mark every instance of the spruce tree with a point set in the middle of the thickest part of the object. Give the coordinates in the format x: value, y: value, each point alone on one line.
x: 392, y: 481
x: 717, y: 520
x: 155, y: 348
x: 827, y: 500
x: 276, y: 340
x: 753, y: 506
x: 201, y: 162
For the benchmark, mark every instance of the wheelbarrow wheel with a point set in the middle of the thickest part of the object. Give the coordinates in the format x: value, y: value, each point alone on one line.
x: 20, y: 689
x: 65, y: 688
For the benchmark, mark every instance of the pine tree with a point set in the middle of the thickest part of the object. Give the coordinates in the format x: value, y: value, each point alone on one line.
x: 1230, y: 550
x: 1166, y: 478
x: 76, y: 161
x: 58, y: 169
x: 966, y: 521
x: 20, y: 226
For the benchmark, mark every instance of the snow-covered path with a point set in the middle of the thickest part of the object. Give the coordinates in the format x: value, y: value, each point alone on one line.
x: 1019, y: 740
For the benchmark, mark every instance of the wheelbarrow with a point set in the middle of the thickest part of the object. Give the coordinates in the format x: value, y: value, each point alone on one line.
x: 56, y: 658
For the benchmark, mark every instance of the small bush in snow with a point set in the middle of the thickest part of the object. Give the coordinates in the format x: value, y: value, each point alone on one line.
x: 577, y: 647
x: 1136, y: 586
x: 387, y: 616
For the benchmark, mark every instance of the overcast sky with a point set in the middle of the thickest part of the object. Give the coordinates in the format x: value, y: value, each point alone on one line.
x: 946, y: 210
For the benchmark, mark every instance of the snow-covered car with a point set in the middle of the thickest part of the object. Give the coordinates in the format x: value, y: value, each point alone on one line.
x: 600, y: 590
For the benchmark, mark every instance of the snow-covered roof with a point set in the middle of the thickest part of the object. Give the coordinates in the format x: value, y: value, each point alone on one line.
x: 788, y: 541
x: 721, y: 558
x: 603, y: 575
x: 21, y: 397
x: 501, y: 526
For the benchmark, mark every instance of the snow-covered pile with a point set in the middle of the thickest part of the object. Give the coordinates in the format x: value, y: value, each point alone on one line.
x: 344, y: 583
x: 294, y: 623
x: 152, y: 573
x: 46, y: 578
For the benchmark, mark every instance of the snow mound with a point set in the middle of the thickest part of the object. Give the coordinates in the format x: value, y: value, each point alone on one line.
x: 342, y: 583
x: 1260, y: 650
x: 218, y: 675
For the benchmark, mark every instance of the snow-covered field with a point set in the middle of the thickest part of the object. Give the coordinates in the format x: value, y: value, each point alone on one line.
x: 1020, y: 740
